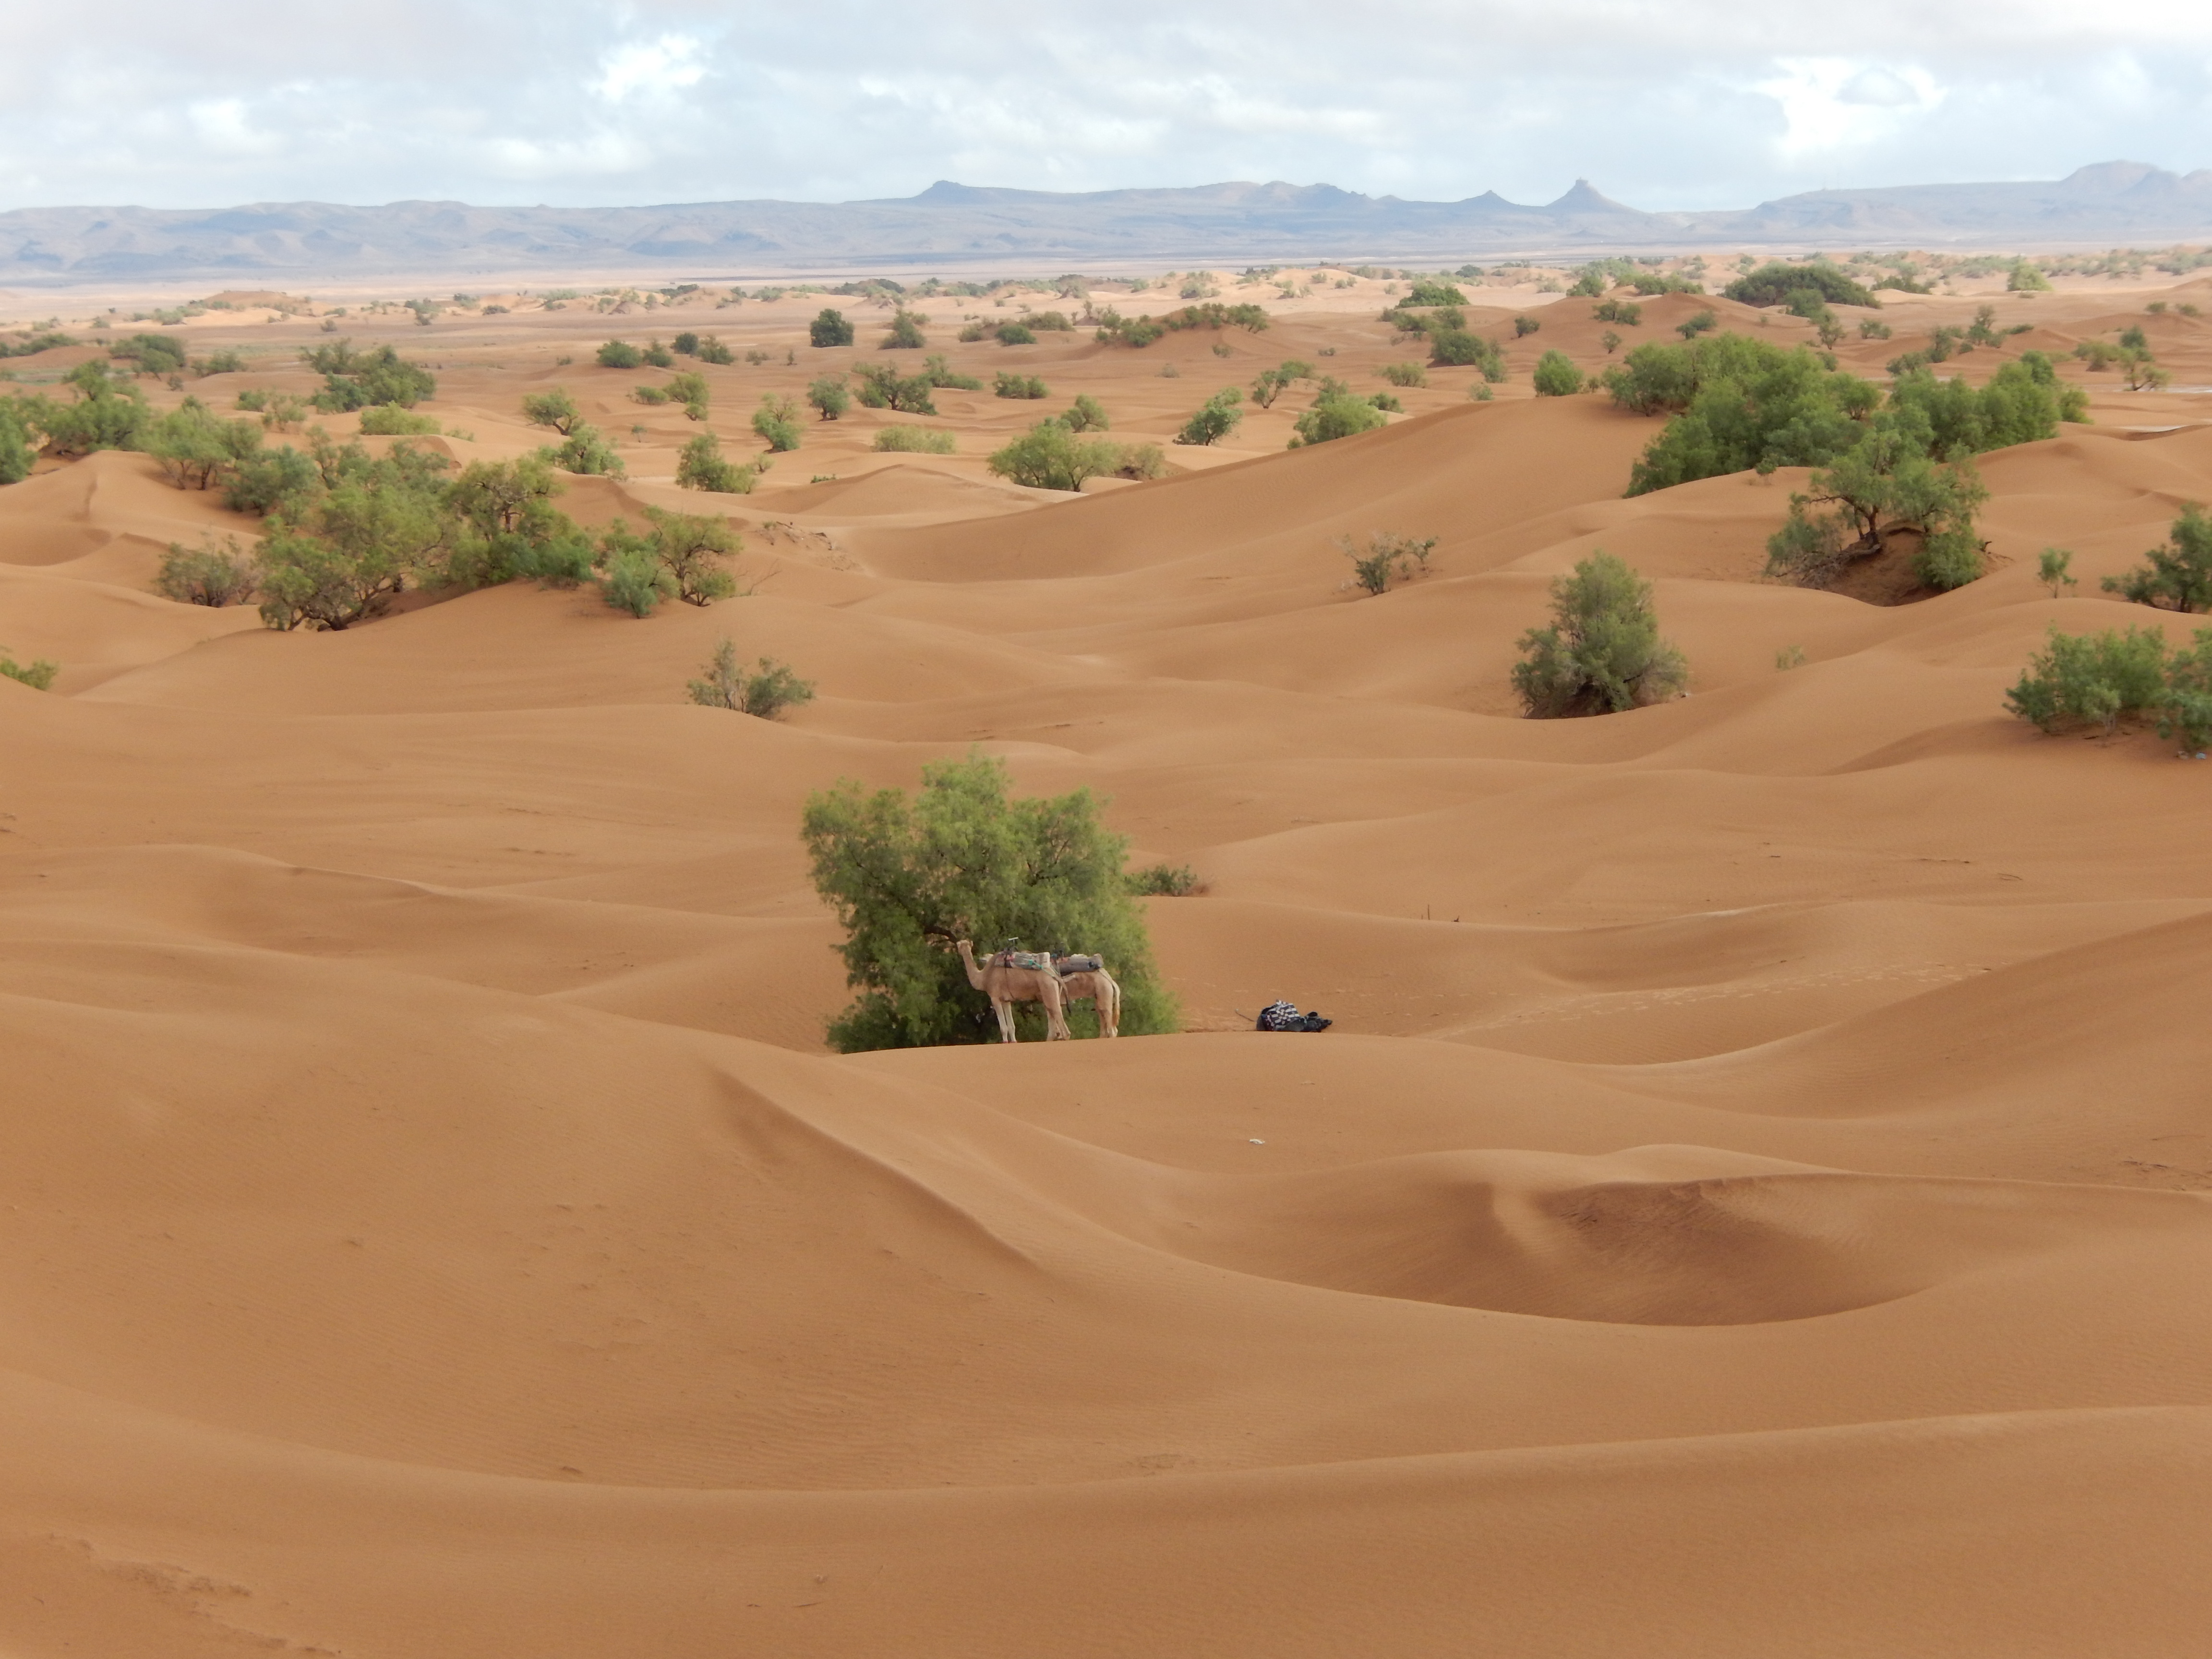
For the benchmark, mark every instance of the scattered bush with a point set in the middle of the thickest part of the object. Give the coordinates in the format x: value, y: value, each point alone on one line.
x: 1020, y: 386
x: 689, y: 389
x: 1086, y: 414
x: 1885, y: 484
x: 1138, y: 332
x: 1524, y: 326
x: 354, y: 380
x: 586, y: 454
x: 1456, y: 347
x: 1164, y: 881
x: 158, y: 355
x: 1215, y: 315
x: 907, y: 880
x: 1773, y: 284
x: 658, y: 355
x: 272, y: 481
x: 1439, y: 292
x: 881, y: 387
x: 1624, y: 312
x: 1610, y: 341
x: 555, y: 409
x: 830, y: 397
x: 905, y: 333
x: 776, y: 421
x: 2093, y: 678
x: 2054, y: 570
x: 712, y: 350
x: 1739, y: 403
x: 829, y: 328
x: 1337, y: 415
x: 690, y: 549
x: 765, y: 693
x: 914, y: 439
x: 389, y: 421
x: 702, y: 466
x: 1557, y: 376
x: 194, y: 447
x: 1703, y: 323
x: 209, y: 575
x: 1014, y: 334
x: 1407, y: 374
x: 1216, y: 419
x: 39, y: 675
x: 1273, y: 382
x: 2024, y: 401
x: 620, y: 354
x: 2177, y: 575
x: 16, y: 451
x: 1048, y: 456
x: 1601, y: 654
x: 1386, y: 554
x: 939, y: 374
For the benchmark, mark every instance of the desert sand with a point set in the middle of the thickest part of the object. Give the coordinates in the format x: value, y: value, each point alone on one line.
x: 1751, y: 1202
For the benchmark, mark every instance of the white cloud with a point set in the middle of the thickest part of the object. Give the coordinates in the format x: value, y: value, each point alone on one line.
x: 1698, y: 103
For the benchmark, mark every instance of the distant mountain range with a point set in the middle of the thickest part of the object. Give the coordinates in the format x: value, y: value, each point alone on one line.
x: 951, y: 226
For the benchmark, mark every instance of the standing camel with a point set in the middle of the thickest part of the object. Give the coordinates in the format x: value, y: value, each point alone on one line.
x: 1007, y: 986
x: 1103, y: 991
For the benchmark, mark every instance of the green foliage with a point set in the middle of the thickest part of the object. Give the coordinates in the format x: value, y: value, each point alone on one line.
x: 691, y: 549
x: 905, y: 332
x: 194, y: 447
x: 16, y: 450
x: 219, y: 363
x: 1086, y: 414
x: 1137, y: 333
x: 1273, y: 382
x: 354, y: 380
x: 1162, y: 881
x: 1014, y: 334
x: 765, y: 693
x: 2024, y: 401
x: 1456, y: 347
x: 1404, y: 374
x: 1020, y: 386
x: 829, y: 328
x: 389, y: 421
x: 1386, y: 554
x: 1556, y: 375
x: 555, y: 409
x: 586, y: 453
x: 158, y: 355
x: 1750, y: 404
x: 1524, y: 325
x: 2054, y: 569
x: 106, y: 414
x: 350, y: 551
x: 939, y: 374
x: 620, y: 354
x: 1625, y: 313
x: 2093, y: 678
x: 212, y: 574
x: 2176, y: 576
x: 658, y: 355
x: 39, y: 675
x: 712, y: 350
x: 1215, y: 315
x: 830, y: 397
x: 1872, y: 328
x: 914, y: 439
x: 631, y: 578
x: 1773, y: 284
x: 966, y: 860
x: 1885, y: 483
x: 1048, y: 456
x: 685, y: 344
x: 1215, y: 420
x: 883, y: 387
x: 689, y: 389
x: 776, y: 421
x: 1427, y: 293
x: 1339, y: 415
x: 32, y: 344
x: 702, y: 466
x: 273, y: 481
x: 505, y: 526
x: 1601, y: 654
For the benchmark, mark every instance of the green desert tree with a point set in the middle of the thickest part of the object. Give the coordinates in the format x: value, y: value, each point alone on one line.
x: 2093, y: 679
x: 829, y: 328
x: 909, y: 878
x: 2176, y: 576
x: 830, y: 397
x: 1338, y: 415
x: 354, y: 380
x: 194, y: 447
x: 1086, y: 414
x: 905, y: 333
x: 214, y: 573
x: 702, y: 466
x: 1215, y: 420
x: 350, y: 554
x: 1749, y: 405
x: 16, y: 451
x: 694, y: 549
x: 1050, y: 456
x: 553, y: 408
x: 620, y: 354
x: 776, y: 422
x: 1601, y: 655
x: 1885, y: 484
x: 1556, y: 375
x: 1774, y: 284
x: 584, y: 452
x: 765, y: 693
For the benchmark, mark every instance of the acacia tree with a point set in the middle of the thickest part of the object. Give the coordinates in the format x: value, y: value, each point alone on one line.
x: 965, y: 859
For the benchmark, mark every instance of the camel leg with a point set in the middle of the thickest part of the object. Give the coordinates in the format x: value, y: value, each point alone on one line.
x: 1004, y: 1010
x: 1056, y: 1017
x: 1109, y: 1008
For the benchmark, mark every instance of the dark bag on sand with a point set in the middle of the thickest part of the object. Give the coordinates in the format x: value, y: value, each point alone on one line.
x: 1286, y: 1017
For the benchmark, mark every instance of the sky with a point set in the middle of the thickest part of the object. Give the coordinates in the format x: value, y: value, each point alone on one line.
x: 1692, y: 104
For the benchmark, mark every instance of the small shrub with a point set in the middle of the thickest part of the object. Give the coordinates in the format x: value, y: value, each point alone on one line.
x: 39, y: 675
x: 649, y: 395
x: 830, y: 397
x: 1773, y: 284
x: 1050, y: 456
x: 1215, y: 420
x: 776, y: 421
x: 712, y: 350
x: 1014, y: 334
x: 1790, y: 657
x: 1164, y: 881
x: 765, y: 693
x: 1086, y: 414
x: 1479, y: 392
x: 209, y: 575
x: 2092, y: 679
x: 702, y: 466
x: 829, y: 328
x: 939, y: 374
x: 1610, y: 341
x: 1557, y: 376
x: 586, y: 454
x: 1703, y: 323
x: 1601, y: 654
x: 1020, y: 386
x: 620, y: 354
x: 1872, y: 328
x: 2026, y: 279
x: 2053, y: 570
x: 555, y: 409
x: 1627, y: 312
x: 1337, y: 415
x: 881, y: 386
x: 1524, y: 326
x: 1386, y: 554
x: 1456, y: 347
x: 390, y: 421
x: 914, y: 439
x: 685, y: 344
x: 658, y: 355
x: 2178, y: 575
x: 905, y: 333
x: 1407, y: 374
x: 1273, y: 382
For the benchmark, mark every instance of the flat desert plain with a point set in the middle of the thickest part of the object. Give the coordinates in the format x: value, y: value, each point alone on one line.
x: 1752, y: 1200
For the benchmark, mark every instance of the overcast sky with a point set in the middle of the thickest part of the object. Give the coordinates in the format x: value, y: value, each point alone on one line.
x: 1690, y: 103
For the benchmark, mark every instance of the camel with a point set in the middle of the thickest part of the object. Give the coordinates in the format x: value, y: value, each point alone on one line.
x: 1103, y: 991
x: 1007, y: 986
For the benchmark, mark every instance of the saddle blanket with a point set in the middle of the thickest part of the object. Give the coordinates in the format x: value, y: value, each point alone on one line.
x: 1029, y: 959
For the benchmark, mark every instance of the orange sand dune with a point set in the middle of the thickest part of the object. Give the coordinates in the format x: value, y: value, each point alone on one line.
x: 1756, y: 1197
